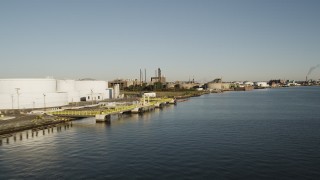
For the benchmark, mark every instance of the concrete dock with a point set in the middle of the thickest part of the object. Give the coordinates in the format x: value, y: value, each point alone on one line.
x: 107, y: 114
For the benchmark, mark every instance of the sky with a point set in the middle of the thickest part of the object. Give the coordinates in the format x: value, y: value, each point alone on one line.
x: 250, y: 40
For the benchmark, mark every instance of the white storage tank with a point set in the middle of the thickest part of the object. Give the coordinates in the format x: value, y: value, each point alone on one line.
x: 66, y: 85
x: 69, y: 86
x: 32, y: 100
x: 12, y: 86
x: 37, y: 93
x: 85, y: 87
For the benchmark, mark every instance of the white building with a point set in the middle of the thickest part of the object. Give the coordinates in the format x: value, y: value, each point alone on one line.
x: 40, y: 93
x: 150, y: 94
x: 92, y: 90
x: 262, y: 84
x: 248, y: 83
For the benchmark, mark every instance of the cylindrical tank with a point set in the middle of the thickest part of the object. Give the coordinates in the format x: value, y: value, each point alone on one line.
x: 14, y: 86
x: 66, y: 85
x: 32, y: 100
x: 86, y: 87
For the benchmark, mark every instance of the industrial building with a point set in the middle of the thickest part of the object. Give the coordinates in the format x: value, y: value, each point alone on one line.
x: 159, y: 78
x: 124, y: 83
x: 49, y: 92
x: 217, y: 84
x: 262, y: 84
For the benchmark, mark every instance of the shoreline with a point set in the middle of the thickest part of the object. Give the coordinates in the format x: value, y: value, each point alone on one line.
x: 22, y: 122
x: 28, y: 122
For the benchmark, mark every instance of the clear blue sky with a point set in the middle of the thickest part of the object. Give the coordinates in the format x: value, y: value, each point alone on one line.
x: 237, y: 40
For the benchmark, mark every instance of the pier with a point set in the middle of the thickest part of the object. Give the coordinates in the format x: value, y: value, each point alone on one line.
x: 104, y: 113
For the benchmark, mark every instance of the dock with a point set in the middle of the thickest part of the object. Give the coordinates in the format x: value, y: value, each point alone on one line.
x: 107, y: 114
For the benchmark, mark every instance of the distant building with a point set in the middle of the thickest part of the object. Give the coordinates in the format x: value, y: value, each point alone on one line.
x: 292, y: 83
x: 158, y: 79
x: 261, y: 84
x: 248, y: 83
x: 150, y: 94
x: 226, y: 86
x: 116, y: 91
x: 277, y: 83
x: 171, y: 85
x: 123, y: 83
x: 188, y: 85
x: 217, y: 84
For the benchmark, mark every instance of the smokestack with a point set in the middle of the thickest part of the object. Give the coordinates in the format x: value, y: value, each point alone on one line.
x: 159, y: 74
x: 306, y: 78
x: 140, y: 76
x: 145, y: 75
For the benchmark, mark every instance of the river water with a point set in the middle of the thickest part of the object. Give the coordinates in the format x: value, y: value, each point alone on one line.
x: 261, y: 134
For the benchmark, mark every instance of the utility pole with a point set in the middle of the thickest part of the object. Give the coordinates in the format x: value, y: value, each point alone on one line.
x: 12, y: 100
x: 44, y: 102
x: 140, y: 77
x: 17, y: 89
x: 91, y: 97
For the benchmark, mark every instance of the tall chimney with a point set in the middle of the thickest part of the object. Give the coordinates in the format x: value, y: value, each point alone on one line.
x: 145, y: 75
x: 306, y: 78
x: 159, y: 74
x: 140, y: 76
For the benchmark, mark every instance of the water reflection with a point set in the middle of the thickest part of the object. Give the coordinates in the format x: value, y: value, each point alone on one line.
x: 34, y: 133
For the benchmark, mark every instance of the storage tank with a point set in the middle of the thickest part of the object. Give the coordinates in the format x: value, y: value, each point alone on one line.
x: 85, y: 87
x: 69, y: 86
x: 32, y: 100
x: 30, y: 93
x: 66, y: 85
x: 27, y: 85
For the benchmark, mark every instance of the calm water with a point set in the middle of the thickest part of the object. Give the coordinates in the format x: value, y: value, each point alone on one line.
x: 262, y: 134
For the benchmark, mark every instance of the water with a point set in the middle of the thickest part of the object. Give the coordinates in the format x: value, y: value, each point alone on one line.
x: 262, y: 134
